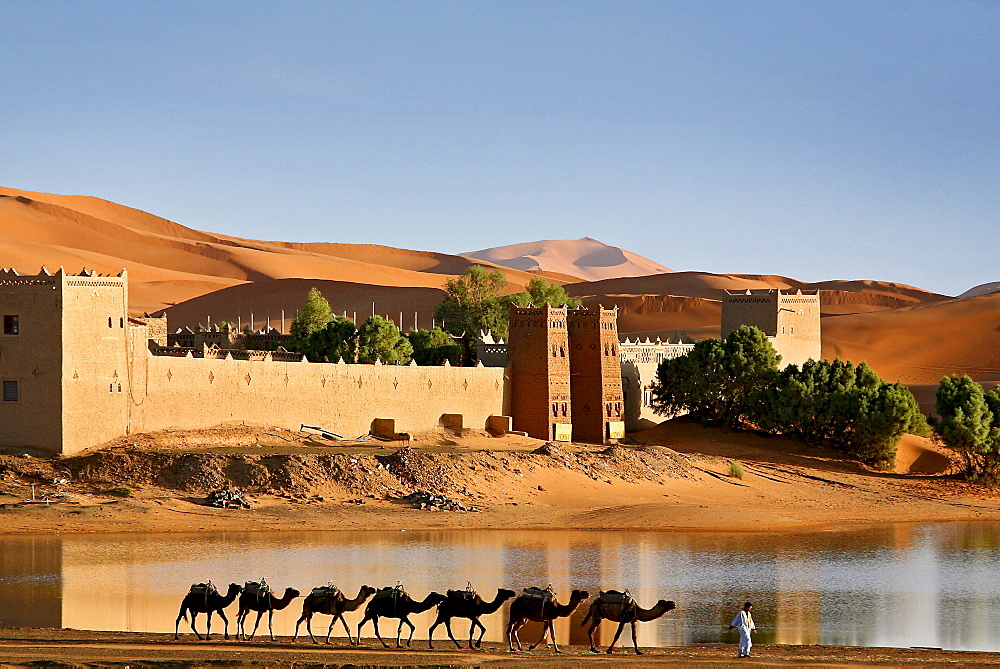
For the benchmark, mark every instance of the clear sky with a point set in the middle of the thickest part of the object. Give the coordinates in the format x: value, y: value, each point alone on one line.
x: 818, y: 140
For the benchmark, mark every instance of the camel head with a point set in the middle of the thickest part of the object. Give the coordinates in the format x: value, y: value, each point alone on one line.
x: 234, y: 589
x: 504, y: 595
x: 435, y: 598
x: 367, y: 591
x: 665, y: 605
x: 578, y: 596
x: 291, y: 593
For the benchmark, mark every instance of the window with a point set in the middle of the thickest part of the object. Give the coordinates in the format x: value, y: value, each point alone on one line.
x: 10, y: 391
x: 11, y: 324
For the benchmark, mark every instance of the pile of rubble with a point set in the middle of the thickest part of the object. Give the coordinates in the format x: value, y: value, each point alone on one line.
x: 421, y: 499
x: 228, y: 498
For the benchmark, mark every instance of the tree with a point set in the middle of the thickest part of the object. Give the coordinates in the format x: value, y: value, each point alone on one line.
x: 433, y: 347
x: 473, y: 304
x: 965, y: 423
x: 539, y: 292
x: 313, y: 317
x: 337, y: 340
x: 379, y: 339
x: 719, y: 381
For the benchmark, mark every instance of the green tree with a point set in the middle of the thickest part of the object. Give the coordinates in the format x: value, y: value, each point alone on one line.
x: 965, y: 423
x: 719, y: 381
x: 379, y: 339
x: 313, y: 317
x: 539, y: 292
x: 338, y: 339
x: 433, y: 347
x: 474, y: 304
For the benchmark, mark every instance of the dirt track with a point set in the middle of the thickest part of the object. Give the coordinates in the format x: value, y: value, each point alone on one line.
x: 23, y: 647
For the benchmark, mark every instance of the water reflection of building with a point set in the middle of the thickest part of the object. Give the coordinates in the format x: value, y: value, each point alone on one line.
x: 796, y: 615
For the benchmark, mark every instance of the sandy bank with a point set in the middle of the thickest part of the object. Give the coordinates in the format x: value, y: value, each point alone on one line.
x: 678, y: 480
x: 28, y: 647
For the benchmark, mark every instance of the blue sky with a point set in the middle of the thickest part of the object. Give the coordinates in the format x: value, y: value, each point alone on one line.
x: 818, y: 140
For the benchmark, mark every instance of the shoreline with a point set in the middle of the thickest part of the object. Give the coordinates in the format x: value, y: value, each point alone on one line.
x: 63, y: 647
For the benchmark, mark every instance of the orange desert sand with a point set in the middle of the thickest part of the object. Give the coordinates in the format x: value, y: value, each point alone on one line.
x: 673, y: 476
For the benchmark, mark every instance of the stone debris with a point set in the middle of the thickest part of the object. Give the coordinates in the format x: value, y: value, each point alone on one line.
x: 228, y: 498
x: 421, y: 499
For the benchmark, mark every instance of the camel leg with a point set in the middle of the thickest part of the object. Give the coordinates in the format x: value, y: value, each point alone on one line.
x: 375, y: 623
x: 412, y: 629
x: 618, y: 633
x: 590, y: 632
x: 299, y: 622
x: 270, y: 618
x: 208, y: 632
x: 430, y: 632
x: 447, y: 626
x: 346, y: 629
x: 241, y: 616
x: 225, y: 620
x: 194, y: 616
x: 552, y: 632
x: 260, y: 614
x: 482, y: 632
x: 177, y: 623
x: 360, y: 625
x: 545, y: 630
x: 512, y: 634
x: 635, y: 644
x: 399, y: 633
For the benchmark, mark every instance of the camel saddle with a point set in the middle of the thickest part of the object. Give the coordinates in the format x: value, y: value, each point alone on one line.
x: 544, y: 594
x: 326, y: 591
x: 203, y: 589
x: 618, y: 601
x: 469, y: 593
x: 395, y: 591
x: 260, y: 590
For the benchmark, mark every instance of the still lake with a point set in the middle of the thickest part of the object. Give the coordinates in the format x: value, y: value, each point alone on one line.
x: 903, y: 585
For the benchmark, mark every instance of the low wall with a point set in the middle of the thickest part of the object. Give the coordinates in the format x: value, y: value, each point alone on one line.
x: 188, y: 393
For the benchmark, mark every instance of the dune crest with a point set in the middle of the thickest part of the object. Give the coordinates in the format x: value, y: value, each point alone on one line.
x: 586, y: 259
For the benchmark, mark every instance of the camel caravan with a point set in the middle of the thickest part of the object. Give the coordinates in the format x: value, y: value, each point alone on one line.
x: 532, y: 604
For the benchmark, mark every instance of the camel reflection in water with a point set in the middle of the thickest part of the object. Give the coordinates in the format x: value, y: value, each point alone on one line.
x: 903, y: 585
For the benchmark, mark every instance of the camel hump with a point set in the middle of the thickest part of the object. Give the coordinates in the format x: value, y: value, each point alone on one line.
x: 203, y: 589
x: 257, y: 589
x: 462, y: 594
x: 615, y: 597
x: 326, y: 591
x: 396, y: 591
x: 544, y: 594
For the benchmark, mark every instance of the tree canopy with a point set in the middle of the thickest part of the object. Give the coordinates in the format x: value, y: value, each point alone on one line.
x: 380, y: 339
x: 433, y: 347
x: 539, y: 292
x: 968, y: 421
x: 314, y: 317
x: 736, y: 383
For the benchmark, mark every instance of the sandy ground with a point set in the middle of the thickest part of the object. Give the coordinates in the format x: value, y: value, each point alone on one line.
x: 678, y: 480
x: 32, y: 647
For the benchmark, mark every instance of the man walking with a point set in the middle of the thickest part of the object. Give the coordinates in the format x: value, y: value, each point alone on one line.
x: 743, y: 622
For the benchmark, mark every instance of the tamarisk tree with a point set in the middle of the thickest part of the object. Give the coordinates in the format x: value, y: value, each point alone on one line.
x: 968, y: 421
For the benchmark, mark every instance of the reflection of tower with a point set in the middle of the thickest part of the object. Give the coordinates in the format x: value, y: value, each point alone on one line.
x: 595, y: 374
x: 539, y: 371
x: 796, y: 609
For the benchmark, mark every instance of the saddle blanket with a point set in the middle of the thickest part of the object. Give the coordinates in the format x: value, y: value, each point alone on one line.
x: 254, y: 588
x: 462, y: 594
x: 546, y: 594
x: 326, y: 591
x: 204, y: 589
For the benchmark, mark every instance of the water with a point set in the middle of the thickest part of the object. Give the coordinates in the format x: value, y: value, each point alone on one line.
x: 903, y: 585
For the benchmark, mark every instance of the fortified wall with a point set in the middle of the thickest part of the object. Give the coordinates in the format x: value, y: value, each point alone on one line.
x: 77, y: 372
x: 789, y: 320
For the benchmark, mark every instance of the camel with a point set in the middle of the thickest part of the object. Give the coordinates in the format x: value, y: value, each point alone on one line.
x: 206, y: 601
x: 542, y: 610
x: 622, y: 609
x: 261, y: 601
x: 395, y: 603
x: 332, y: 605
x: 459, y: 605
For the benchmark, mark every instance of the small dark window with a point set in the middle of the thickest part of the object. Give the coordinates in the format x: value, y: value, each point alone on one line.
x: 10, y: 391
x: 109, y: 322
x: 121, y: 322
x: 11, y: 324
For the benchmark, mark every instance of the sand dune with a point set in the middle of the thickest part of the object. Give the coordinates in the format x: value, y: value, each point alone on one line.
x: 586, y: 258
x: 266, y: 299
x: 920, y: 344
x: 982, y: 289
x: 73, y: 231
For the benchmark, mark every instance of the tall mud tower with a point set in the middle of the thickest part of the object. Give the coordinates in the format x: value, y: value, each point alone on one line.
x: 596, y: 376
x: 538, y: 354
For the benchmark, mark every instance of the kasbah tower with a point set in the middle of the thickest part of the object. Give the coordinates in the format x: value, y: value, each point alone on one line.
x: 565, y: 372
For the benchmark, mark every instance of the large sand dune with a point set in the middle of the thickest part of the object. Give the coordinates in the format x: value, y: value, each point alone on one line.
x: 904, y: 332
x: 169, y: 263
x: 586, y: 259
